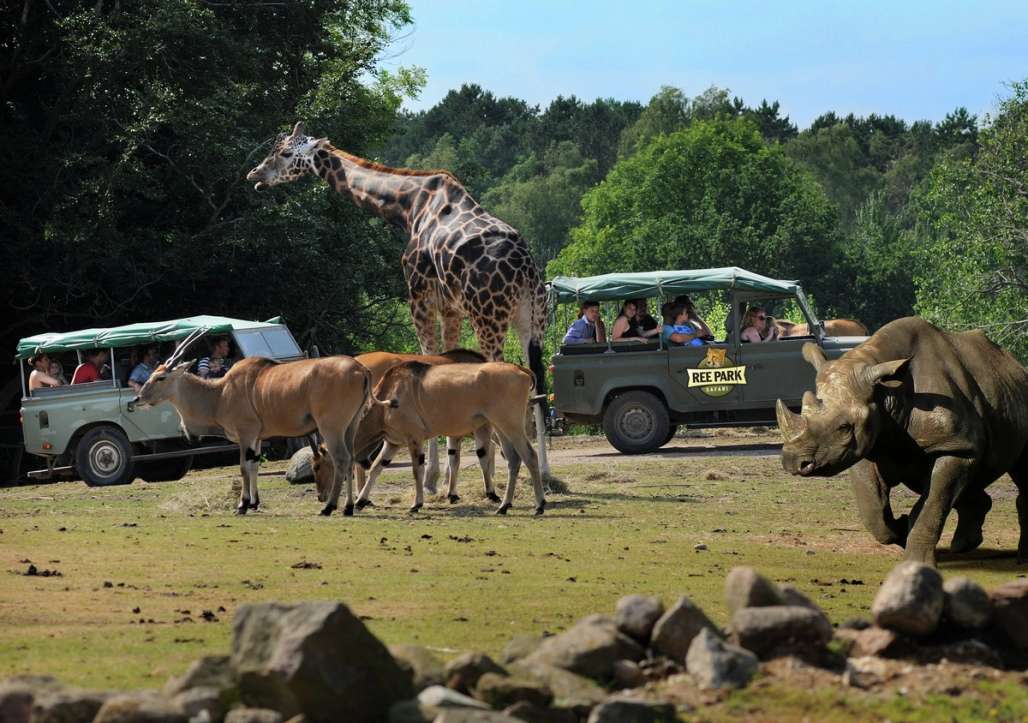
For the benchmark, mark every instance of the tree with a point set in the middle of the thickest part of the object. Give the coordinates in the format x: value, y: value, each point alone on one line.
x: 712, y: 194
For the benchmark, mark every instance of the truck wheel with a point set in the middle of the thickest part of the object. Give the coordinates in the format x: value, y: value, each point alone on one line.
x: 104, y: 457
x: 636, y: 423
x: 671, y: 432
x: 166, y: 470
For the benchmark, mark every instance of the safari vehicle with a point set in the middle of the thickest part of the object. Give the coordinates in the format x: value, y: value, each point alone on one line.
x: 94, y: 431
x: 642, y: 392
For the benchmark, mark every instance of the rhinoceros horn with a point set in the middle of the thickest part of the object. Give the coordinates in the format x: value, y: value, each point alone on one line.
x: 791, y: 424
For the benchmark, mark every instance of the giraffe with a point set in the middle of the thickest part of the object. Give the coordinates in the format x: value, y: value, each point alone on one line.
x: 460, y: 262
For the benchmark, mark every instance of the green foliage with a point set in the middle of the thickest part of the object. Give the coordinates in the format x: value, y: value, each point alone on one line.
x: 129, y: 129
x: 713, y: 194
x: 973, y: 212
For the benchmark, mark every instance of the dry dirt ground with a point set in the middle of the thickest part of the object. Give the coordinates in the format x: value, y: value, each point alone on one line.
x: 147, y: 576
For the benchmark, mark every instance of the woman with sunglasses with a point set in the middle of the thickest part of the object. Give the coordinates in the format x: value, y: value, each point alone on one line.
x: 754, y: 326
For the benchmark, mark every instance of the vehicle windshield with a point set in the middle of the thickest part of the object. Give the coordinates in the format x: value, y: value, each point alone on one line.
x: 276, y: 343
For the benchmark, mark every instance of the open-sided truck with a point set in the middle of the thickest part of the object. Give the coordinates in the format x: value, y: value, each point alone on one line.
x: 642, y: 392
x: 93, y: 431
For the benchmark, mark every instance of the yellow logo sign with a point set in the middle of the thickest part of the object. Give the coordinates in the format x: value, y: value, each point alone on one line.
x: 713, y: 377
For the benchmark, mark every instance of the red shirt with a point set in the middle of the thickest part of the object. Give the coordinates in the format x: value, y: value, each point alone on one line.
x: 85, y: 372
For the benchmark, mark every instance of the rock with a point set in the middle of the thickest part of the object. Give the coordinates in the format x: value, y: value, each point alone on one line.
x: 457, y: 715
x: 66, y: 705
x: 674, y: 632
x: 534, y: 714
x: 715, y: 664
x: 1010, y: 611
x: 146, y: 707
x: 520, y: 646
x: 439, y: 696
x: 778, y: 630
x: 628, y: 674
x: 589, y: 648
x: 965, y: 603
x: 195, y: 701
x: 881, y: 642
x: 411, y: 711
x: 18, y: 694
x: 746, y: 588
x: 424, y: 668
x: 636, y: 615
x: 569, y: 689
x: 253, y: 715
x: 462, y: 673
x: 863, y: 672
x: 299, y: 471
x: 500, y: 691
x: 969, y: 652
x: 910, y: 600
x: 211, y: 671
x: 793, y: 596
x: 626, y: 710
x: 306, y: 658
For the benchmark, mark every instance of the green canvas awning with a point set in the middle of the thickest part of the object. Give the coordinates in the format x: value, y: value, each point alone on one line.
x: 649, y: 284
x: 133, y: 334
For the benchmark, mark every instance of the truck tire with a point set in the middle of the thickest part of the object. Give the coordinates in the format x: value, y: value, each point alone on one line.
x: 671, y: 432
x: 166, y: 470
x: 103, y: 457
x: 636, y: 422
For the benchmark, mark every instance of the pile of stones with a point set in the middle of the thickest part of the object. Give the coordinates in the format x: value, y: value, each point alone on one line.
x: 318, y: 663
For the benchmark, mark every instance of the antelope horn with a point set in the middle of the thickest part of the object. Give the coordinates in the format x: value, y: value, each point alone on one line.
x: 792, y: 425
x: 183, y: 345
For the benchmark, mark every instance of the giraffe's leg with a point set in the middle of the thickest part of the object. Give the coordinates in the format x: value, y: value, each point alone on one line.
x: 532, y: 358
x: 491, y: 333
x: 425, y: 315
x: 451, y: 322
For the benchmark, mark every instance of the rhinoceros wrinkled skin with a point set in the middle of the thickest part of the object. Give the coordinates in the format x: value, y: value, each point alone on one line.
x: 944, y: 413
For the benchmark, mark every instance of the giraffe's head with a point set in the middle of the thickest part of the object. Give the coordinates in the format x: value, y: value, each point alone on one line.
x: 289, y: 159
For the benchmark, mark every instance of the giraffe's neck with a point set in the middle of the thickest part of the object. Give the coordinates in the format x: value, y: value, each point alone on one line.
x: 394, y: 194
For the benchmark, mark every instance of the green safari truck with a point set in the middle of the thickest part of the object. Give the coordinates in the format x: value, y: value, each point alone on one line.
x: 642, y: 392
x: 93, y: 431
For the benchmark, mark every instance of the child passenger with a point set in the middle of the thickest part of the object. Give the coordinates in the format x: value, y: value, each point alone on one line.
x: 588, y: 327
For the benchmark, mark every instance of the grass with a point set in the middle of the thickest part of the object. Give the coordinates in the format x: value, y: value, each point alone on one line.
x: 452, y: 578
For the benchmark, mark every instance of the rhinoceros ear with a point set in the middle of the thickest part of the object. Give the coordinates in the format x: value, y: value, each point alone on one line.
x: 888, y: 374
x: 814, y: 354
x: 791, y: 424
x: 811, y: 403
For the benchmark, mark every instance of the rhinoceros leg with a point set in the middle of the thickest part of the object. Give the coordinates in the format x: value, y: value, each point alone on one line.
x: 972, y: 507
x: 872, y: 493
x: 950, y: 476
x: 1019, y: 474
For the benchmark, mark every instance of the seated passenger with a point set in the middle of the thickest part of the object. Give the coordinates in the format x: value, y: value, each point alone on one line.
x: 627, y: 326
x: 694, y: 318
x: 142, y: 371
x: 40, y: 378
x: 90, y: 369
x: 218, y: 363
x: 677, y: 328
x: 588, y: 327
x: 57, y: 372
x: 755, y: 328
x: 648, y: 326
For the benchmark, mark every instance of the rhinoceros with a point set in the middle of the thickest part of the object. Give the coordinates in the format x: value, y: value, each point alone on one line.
x: 944, y: 413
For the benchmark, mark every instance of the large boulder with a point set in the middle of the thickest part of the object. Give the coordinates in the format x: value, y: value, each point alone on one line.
x: 966, y: 603
x: 211, y: 671
x: 779, y: 630
x: 462, y: 673
x: 424, y: 668
x: 18, y: 694
x: 317, y: 659
x: 201, y: 701
x: 636, y: 615
x: 910, y: 600
x: 300, y: 469
x: 674, y: 631
x: 746, y: 588
x: 589, y: 648
x: 630, y: 710
x: 500, y: 691
x: 520, y: 646
x: 715, y: 664
x: 147, y: 707
x: 1010, y: 611
x: 570, y: 691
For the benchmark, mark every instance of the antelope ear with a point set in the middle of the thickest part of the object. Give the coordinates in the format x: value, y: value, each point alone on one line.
x: 815, y: 355
x: 298, y: 129
x: 888, y: 374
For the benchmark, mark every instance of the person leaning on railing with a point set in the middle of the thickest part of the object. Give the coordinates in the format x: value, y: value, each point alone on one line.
x: 677, y: 329
x: 588, y: 327
x: 40, y: 376
x: 630, y: 325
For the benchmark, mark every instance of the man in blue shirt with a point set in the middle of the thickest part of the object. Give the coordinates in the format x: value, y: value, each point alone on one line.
x: 144, y: 368
x: 588, y: 327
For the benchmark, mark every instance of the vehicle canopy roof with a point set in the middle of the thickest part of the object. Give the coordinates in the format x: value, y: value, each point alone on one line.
x: 648, y: 284
x: 134, y: 334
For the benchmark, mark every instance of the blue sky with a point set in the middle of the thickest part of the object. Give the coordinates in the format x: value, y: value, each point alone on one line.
x: 915, y: 59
